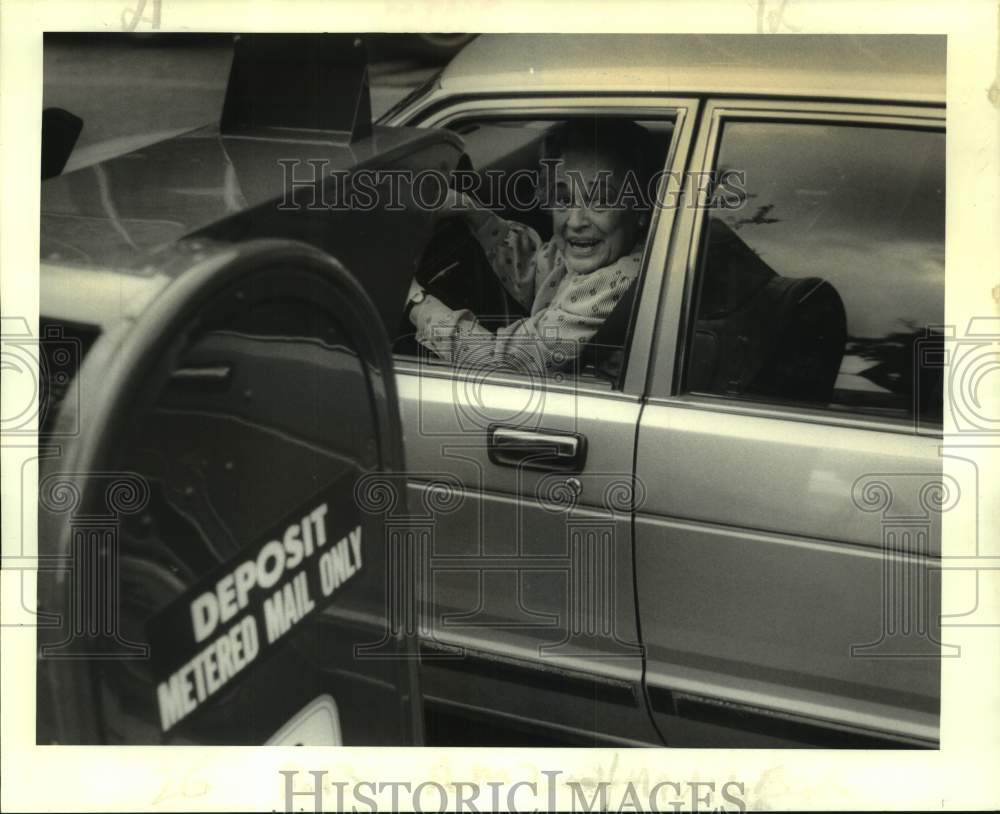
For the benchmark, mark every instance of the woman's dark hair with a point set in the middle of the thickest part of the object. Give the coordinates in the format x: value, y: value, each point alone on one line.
x: 625, y: 141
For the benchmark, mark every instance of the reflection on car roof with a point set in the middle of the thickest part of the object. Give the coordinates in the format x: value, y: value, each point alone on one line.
x: 891, y: 67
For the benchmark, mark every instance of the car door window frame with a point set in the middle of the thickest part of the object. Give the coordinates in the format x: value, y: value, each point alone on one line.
x: 677, y: 298
x: 684, y: 112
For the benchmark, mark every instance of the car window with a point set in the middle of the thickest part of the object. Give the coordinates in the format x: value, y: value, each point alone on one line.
x: 824, y: 286
x: 505, y: 175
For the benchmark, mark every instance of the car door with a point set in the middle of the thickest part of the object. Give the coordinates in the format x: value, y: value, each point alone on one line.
x: 530, y: 579
x: 790, y: 443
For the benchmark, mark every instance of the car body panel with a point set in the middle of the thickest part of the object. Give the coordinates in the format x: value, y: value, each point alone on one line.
x: 505, y: 553
x: 775, y: 474
x: 761, y: 560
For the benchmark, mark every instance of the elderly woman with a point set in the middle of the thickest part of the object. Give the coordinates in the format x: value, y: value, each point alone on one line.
x: 568, y: 285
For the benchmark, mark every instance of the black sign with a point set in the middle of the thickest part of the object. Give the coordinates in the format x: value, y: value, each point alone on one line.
x: 245, y: 607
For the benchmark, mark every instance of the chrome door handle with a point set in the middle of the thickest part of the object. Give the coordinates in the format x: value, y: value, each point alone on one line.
x: 536, y: 449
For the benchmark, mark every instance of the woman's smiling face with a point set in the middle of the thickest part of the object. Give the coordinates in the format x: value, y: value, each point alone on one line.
x: 591, y: 236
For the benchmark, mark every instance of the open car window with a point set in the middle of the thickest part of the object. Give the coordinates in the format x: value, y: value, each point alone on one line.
x: 505, y: 174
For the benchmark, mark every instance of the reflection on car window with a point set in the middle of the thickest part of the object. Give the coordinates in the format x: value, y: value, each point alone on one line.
x: 561, y: 238
x: 826, y: 286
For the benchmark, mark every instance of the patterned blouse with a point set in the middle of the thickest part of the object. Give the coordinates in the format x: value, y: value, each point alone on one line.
x: 566, y: 309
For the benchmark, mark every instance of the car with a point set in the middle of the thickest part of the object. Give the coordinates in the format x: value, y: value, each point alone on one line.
x: 716, y: 526
x: 729, y: 565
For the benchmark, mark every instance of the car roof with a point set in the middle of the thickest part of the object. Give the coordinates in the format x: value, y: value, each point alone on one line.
x: 866, y: 67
